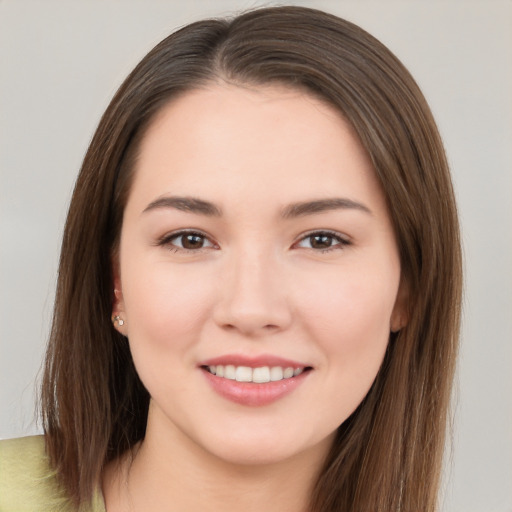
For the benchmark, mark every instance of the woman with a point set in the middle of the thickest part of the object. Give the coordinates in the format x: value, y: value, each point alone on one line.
x: 259, y: 287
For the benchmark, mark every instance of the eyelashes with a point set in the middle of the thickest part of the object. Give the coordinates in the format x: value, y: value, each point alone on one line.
x: 187, y: 241
x: 195, y: 241
x: 322, y: 241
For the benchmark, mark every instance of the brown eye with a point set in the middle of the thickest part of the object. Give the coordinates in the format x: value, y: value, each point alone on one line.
x: 187, y: 241
x: 192, y: 241
x: 323, y: 241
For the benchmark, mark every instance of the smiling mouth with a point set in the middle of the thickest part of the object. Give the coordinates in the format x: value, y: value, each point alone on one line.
x: 259, y: 375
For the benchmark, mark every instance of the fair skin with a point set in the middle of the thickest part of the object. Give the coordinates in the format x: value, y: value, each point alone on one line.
x: 255, y: 236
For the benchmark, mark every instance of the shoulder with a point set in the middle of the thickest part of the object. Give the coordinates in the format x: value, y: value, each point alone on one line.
x: 27, y: 482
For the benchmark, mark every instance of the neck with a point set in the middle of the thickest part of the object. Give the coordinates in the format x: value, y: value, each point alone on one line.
x: 172, y: 473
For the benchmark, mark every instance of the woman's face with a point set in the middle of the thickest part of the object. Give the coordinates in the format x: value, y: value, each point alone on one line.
x: 258, y: 274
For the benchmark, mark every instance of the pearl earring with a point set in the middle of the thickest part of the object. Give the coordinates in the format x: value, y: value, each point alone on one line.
x: 118, y: 319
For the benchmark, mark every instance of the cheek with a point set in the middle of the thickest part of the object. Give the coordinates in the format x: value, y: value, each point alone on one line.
x: 350, y: 319
x: 165, y: 310
x: 165, y: 306
x: 350, y: 325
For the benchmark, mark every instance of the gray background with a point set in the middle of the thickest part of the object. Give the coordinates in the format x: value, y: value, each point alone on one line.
x: 60, y: 63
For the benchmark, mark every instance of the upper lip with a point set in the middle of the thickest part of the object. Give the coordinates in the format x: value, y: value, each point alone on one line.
x: 253, y: 361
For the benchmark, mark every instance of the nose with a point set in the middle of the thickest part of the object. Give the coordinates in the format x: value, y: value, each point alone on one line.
x: 253, y: 294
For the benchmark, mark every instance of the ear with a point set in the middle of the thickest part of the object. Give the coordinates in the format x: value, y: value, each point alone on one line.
x: 400, y: 313
x: 118, y: 310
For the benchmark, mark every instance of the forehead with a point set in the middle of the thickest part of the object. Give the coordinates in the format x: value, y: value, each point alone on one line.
x: 272, y: 140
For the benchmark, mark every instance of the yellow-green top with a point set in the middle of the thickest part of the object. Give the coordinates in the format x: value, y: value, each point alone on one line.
x: 28, y: 483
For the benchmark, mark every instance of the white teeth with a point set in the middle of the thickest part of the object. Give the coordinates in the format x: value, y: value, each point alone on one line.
x: 258, y: 375
x: 288, y: 372
x: 261, y: 375
x: 229, y: 372
x: 276, y: 373
x: 243, y: 374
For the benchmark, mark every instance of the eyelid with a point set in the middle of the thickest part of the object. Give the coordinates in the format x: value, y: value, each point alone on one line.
x: 166, y: 240
x: 343, y: 240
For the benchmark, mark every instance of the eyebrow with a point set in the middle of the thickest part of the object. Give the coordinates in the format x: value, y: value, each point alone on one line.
x: 321, y: 205
x: 300, y: 209
x: 185, y: 204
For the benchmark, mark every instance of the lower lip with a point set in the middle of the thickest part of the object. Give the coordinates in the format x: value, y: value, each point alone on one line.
x: 252, y: 394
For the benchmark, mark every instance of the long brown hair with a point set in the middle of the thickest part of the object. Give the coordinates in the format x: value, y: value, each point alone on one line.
x: 387, y: 456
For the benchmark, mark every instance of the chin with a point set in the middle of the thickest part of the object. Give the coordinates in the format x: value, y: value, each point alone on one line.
x: 266, y: 448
